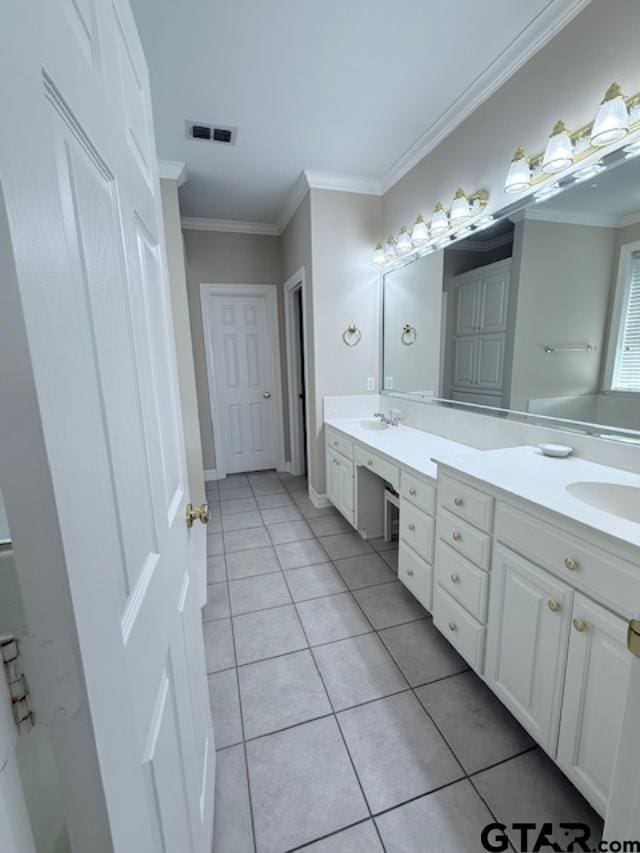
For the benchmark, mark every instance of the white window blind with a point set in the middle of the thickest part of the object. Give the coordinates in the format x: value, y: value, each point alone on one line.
x: 626, y: 374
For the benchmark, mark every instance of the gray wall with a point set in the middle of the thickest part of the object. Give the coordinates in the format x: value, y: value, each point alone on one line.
x: 214, y: 257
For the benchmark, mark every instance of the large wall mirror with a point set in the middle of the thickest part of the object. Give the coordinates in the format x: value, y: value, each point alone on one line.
x: 537, y: 315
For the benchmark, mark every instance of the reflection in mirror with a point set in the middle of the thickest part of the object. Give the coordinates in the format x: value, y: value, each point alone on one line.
x: 539, y: 314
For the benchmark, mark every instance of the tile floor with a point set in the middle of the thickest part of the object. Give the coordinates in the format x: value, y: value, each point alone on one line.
x: 343, y: 720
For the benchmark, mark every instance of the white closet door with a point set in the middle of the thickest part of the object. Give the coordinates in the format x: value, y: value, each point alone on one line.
x: 493, y: 303
x: 467, y: 307
x: 465, y: 362
x: 489, y: 361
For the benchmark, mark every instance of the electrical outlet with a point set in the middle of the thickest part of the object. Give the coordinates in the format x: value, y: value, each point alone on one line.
x: 388, y: 383
x: 371, y: 384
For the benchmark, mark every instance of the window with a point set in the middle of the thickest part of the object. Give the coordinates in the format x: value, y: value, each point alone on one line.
x: 626, y: 368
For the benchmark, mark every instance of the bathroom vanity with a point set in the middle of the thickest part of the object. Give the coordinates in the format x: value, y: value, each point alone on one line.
x: 526, y: 571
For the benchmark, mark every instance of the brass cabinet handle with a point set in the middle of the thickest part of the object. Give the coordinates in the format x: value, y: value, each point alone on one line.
x: 554, y: 606
x: 369, y: 461
x: 453, y: 626
x: 456, y: 536
x: 412, y: 526
x: 192, y: 513
x: 571, y: 564
x: 410, y: 572
x: 455, y: 579
x: 412, y: 492
x: 458, y: 501
x: 580, y: 625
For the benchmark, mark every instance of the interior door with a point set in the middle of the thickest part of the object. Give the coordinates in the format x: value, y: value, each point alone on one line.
x: 242, y: 366
x: 490, y: 361
x: 467, y: 307
x: 464, y: 370
x: 87, y: 327
x: 493, y: 303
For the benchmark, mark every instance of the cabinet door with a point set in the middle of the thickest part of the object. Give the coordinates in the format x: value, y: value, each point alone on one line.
x: 529, y: 619
x: 492, y: 311
x: 598, y: 669
x: 332, y: 463
x: 464, y: 369
x: 467, y: 307
x: 344, y: 470
x: 489, y: 361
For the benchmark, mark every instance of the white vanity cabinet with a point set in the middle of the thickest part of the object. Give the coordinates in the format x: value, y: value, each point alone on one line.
x: 555, y: 626
x: 417, y: 536
x: 340, y: 474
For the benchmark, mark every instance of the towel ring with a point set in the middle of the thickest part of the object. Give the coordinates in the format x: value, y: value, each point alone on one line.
x: 409, y: 335
x: 351, y: 330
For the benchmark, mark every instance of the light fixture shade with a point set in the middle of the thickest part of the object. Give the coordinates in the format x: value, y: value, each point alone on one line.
x: 519, y: 174
x: 420, y: 231
x: 558, y: 154
x: 378, y: 256
x: 612, y: 120
x: 439, y: 220
x: 390, y: 250
x: 460, y: 210
x: 404, y: 241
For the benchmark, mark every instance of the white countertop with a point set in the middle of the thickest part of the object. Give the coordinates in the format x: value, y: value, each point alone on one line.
x: 525, y: 473
x: 410, y: 447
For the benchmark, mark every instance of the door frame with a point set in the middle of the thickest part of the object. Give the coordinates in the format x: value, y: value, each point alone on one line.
x: 270, y: 293
x: 296, y: 427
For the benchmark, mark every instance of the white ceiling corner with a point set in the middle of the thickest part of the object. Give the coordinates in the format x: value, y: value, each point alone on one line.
x: 229, y: 226
x: 172, y: 170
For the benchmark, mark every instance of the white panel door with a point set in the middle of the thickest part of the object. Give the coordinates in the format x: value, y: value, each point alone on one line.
x: 333, y: 477
x: 80, y: 182
x: 345, y: 487
x: 489, y: 361
x: 467, y: 307
x: 242, y: 352
x: 529, y: 618
x: 464, y: 371
x: 596, y: 684
x: 492, y: 314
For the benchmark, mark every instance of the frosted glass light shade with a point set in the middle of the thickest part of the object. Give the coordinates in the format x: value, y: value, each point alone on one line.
x: 460, y: 210
x: 378, y: 256
x: 404, y: 241
x: 612, y: 120
x: 390, y: 250
x: 558, y: 154
x: 419, y: 232
x: 519, y: 174
x: 439, y: 220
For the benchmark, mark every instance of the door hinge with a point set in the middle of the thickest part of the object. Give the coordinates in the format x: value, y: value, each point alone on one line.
x: 633, y: 637
x: 20, y: 698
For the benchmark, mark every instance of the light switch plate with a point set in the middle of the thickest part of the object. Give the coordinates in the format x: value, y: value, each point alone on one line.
x: 371, y: 384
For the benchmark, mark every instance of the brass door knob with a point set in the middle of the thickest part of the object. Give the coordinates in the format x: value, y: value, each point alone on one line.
x: 571, y: 564
x: 554, y: 606
x: 455, y: 579
x: 453, y: 626
x: 580, y: 625
x: 412, y: 491
x: 458, y: 501
x: 456, y: 536
x: 192, y: 513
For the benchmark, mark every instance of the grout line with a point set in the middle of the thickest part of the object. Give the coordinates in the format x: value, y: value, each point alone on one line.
x: 331, y: 835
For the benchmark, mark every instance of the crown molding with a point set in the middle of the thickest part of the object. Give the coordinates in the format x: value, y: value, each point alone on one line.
x: 229, y: 226
x: 571, y: 217
x: 471, y: 245
x: 546, y: 25
x: 172, y: 170
x: 342, y: 183
x: 293, y: 202
x: 629, y: 219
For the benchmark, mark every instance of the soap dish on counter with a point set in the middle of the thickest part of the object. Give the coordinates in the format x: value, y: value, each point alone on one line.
x: 558, y: 451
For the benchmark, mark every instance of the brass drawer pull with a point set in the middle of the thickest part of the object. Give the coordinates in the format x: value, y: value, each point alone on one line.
x: 554, y: 606
x: 571, y: 564
x: 410, y: 572
x: 580, y: 625
x: 369, y: 461
x: 458, y: 501
x: 412, y: 526
x: 412, y: 492
x: 456, y: 536
x: 453, y: 626
x: 455, y: 579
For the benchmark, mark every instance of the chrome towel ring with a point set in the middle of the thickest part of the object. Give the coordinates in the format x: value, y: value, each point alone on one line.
x: 409, y: 335
x: 352, y: 335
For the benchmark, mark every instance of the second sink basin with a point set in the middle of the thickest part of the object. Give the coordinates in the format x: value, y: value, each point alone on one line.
x: 620, y: 500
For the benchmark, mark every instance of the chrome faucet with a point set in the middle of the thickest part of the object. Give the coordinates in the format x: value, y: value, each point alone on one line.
x: 390, y: 421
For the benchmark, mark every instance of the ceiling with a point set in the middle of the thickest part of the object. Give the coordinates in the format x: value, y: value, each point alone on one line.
x: 361, y: 88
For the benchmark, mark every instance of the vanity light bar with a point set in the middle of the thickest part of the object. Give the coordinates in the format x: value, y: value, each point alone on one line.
x: 616, y: 118
x: 466, y: 210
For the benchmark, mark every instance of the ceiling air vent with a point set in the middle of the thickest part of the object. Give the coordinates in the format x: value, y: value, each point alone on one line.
x: 211, y: 132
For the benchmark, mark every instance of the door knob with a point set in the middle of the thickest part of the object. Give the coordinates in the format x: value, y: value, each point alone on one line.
x: 266, y: 394
x: 192, y: 513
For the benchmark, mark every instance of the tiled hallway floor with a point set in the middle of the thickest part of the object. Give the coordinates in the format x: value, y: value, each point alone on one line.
x: 344, y: 722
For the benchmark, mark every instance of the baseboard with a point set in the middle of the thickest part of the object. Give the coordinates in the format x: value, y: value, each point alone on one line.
x: 210, y: 474
x: 317, y: 500
x: 285, y: 468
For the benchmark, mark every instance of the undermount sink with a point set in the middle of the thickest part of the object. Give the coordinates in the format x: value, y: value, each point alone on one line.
x: 623, y: 501
x: 372, y: 425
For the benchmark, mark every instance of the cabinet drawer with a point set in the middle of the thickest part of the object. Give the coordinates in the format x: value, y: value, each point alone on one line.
x: 462, y: 580
x: 464, y: 632
x: 415, y: 574
x: 338, y: 442
x: 417, y: 529
x: 607, y: 578
x: 464, y: 538
x: 419, y: 492
x: 463, y: 500
x: 369, y: 459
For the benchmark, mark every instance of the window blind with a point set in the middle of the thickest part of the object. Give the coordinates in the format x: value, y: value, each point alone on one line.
x: 627, y: 369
